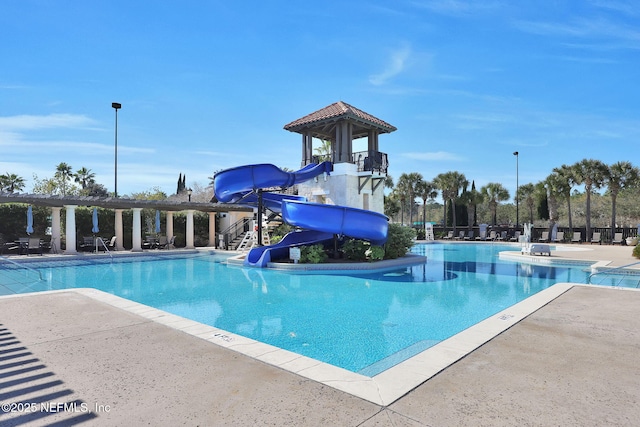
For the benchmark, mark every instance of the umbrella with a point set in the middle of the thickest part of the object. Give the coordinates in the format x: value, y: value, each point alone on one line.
x: 29, y: 220
x: 95, y: 228
x: 157, y: 221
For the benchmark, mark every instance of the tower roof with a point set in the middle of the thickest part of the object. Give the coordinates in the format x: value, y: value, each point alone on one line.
x: 321, y: 123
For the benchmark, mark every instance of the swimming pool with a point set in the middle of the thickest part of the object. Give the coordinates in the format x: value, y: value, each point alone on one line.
x: 364, y: 323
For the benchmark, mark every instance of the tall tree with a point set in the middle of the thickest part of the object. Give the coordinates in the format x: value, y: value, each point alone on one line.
x: 566, y: 179
x: 494, y: 193
x: 84, y: 177
x: 408, y: 183
x: 11, y: 182
x: 425, y: 190
x: 592, y: 174
x: 553, y: 185
x: 450, y: 184
x: 472, y: 199
x: 620, y: 175
x: 323, y: 151
x: 63, y: 174
x: 526, y: 195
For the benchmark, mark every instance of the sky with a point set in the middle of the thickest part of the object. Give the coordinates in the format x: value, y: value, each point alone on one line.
x: 209, y: 85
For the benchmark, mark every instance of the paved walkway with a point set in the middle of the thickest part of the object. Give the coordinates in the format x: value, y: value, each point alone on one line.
x: 65, y: 356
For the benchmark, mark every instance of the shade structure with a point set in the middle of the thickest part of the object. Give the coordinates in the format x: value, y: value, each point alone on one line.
x: 157, y: 221
x: 95, y: 228
x: 29, y: 220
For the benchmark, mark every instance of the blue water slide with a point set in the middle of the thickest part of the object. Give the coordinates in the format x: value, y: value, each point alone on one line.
x: 231, y: 184
x: 321, y: 222
x: 341, y: 220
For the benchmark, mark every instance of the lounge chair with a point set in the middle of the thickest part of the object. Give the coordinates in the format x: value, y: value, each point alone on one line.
x: 492, y: 235
x: 596, y: 238
x: 171, y: 243
x: 516, y: 237
x: 469, y: 235
x: 537, y: 248
x: 544, y: 237
x: 559, y: 237
x: 502, y: 236
x: 7, y: 246
x: 482, y: 236
x: 577, y: 237
x: 449, y: 235
x: 112, y: 244
x: 460, y: 235
x: 617, y: 238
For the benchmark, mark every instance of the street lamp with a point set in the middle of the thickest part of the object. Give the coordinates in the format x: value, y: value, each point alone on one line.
x: 189, y: 192
x: 515, y: 153
x: 116, y: 106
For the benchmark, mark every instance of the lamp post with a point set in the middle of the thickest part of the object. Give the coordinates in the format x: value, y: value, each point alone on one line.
x: 515, y: 153
x: 116, y: 106
x: 189, y: 192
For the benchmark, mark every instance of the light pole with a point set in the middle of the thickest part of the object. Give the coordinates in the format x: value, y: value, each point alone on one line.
x: 189, y: 192
x: 515, y: 153
x: 116, y: 106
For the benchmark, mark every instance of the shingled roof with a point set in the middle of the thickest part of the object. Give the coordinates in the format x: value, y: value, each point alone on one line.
x: 322, y: 122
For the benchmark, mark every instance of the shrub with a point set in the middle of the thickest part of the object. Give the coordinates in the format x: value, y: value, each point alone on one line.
x: 313, y: 254
x: 399, y: 241
x: 374, y: 253
x: 354, y: 249
x: 636, y: 251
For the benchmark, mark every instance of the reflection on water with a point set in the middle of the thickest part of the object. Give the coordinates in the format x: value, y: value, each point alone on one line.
x: 363, y: 322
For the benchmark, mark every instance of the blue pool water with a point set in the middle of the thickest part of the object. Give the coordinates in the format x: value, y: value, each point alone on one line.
x: 365, y: 323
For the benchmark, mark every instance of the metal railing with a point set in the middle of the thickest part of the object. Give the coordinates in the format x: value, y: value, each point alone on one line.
x: 22, y: 266
x: 619, y: 271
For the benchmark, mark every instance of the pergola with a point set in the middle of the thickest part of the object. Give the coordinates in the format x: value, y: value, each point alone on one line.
x: 70, y: 203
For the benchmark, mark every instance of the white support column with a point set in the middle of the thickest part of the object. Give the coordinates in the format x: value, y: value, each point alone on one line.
x: 70, y: 232
x: 119, y: 231
x: 212, y: 229
x: 136, y: 236
x: 169, y: 225
x: 55, y: 230
x: 189, y: 235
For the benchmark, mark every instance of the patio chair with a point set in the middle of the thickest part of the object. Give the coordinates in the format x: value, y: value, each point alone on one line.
x: 87, y: 244
x: 596, y: 238
x: 502, y: 236
x: 544, y: 237
x: 577, y: 237
x: 7, y: 246
x: 112, y: 244
x: 492, y: 235
x: 162, y: 242
x: 34, y: 245
x: 516, y: 236
x: 449, y: 235
x: 482, y: 236
x: 617, y: 238
x: 469, y: 235
x: 23, y: 245
x: 171, y: 243
x: 559, y: 237
x: 460, y: 235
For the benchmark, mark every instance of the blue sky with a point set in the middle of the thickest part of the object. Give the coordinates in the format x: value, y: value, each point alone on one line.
x: 207, y: 85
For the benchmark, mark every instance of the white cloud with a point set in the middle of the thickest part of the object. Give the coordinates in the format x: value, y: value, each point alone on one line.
x: 395, y: 66
x: 29, y: 122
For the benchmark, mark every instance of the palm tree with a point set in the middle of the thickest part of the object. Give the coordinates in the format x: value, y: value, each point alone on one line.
x: 450, y: 184
x: 592, y: 174
x: 324, y: 151
x: 494, y: 193
x: 552, y: 185
x: 63, y: 174
x: 84, y: 177
x: 11, y: 182
x: 408, y: 183
x: 472, y: 199
x: 620, y: 175
x: 565, y: 182
x: 526, y: 194
x: 426, y: 190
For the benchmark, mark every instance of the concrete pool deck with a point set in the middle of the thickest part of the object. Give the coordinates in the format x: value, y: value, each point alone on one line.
x: 571, y: 362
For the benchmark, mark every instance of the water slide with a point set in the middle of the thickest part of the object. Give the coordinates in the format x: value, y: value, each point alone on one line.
x: 319, y: 221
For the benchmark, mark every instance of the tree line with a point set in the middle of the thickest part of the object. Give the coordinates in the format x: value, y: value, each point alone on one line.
x: 540, y: 200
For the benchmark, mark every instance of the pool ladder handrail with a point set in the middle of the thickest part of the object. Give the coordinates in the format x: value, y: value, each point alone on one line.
x: 23, y: 266
x: 104, y: 245
x: 608, y: 271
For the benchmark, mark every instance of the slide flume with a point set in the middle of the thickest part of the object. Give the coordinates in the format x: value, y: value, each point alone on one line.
x: 321, y: 222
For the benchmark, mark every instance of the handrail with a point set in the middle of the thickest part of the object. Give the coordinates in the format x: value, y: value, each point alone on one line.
x: 104, y: 245
x: 609, y: 271
x: 23, y: 266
